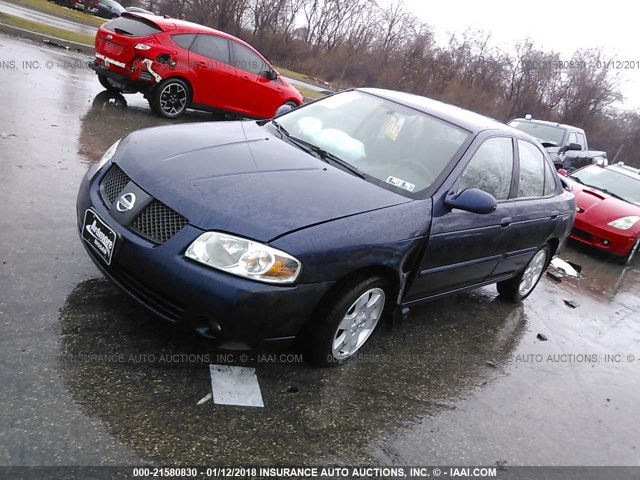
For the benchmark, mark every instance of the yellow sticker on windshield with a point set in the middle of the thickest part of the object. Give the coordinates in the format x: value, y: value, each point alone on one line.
x: 394, y: 125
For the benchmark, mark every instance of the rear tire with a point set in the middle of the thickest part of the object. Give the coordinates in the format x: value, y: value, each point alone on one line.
x: 104, y: 81
x: 518, y: 288
x: 345, y: 320
x: 170, y: 98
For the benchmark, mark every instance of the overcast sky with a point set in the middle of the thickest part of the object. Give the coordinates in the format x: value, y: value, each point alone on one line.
x: 560, y: 25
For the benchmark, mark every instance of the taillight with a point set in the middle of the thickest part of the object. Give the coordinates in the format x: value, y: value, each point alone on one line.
x: 146, y: 45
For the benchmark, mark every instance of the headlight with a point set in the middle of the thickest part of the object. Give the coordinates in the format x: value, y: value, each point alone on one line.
x: 105, y: 158
x: 624, y: 223
x: 244, y: 258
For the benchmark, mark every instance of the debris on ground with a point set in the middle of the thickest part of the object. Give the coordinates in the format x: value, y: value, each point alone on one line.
x: 554, y: 276
x: 566, y: 267
x: 571, y: 303
x: 542, y: 336
x: 577, y: 268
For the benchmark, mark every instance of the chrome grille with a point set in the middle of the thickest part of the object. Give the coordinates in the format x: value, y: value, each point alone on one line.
x: 113, y: 183
x: 158, y: 223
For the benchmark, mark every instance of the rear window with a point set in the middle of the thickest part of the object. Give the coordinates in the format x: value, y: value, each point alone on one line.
x: 185, y: 40
x: 132, y: 27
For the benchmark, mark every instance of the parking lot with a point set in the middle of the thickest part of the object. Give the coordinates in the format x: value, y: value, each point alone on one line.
x: 90, y: 378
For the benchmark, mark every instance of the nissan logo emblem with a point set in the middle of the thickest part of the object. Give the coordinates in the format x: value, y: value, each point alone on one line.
x: 126, y: 202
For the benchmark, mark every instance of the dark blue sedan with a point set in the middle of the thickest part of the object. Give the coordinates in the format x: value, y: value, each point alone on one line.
x: 318, y: 224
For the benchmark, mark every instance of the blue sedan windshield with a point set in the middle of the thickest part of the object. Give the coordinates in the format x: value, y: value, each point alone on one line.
x: 401, y: 147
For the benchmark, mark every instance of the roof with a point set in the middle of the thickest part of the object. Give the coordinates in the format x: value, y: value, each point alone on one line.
x: 186, y: 26
x: 545, y: 122
x: 474, y: 122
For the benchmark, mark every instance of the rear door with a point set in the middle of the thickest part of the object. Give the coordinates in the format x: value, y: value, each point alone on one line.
x: 535, y: 210
x: 258, y: 96
x: 213, y: 77
x: 465, y: 248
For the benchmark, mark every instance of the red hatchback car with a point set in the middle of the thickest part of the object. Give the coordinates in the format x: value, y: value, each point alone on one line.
x: 179, y: 65
x: 608, y: 209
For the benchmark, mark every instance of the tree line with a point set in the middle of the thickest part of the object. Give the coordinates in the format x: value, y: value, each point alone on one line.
x: 351, y: 43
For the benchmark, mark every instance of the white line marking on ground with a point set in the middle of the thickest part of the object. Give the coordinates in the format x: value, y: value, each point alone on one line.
x: 235, y: 386
x: 204, y: 399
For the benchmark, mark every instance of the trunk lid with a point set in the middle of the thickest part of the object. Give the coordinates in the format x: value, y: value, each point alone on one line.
x: 117, y: 39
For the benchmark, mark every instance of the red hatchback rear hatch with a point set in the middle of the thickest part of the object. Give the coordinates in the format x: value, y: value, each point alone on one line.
x: 116, y: 41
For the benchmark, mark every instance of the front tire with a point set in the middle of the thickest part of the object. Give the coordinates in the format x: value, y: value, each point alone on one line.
x: 345, y: 321
x: 171, y: 98
x: 285, y: 107
x: 518, y: 288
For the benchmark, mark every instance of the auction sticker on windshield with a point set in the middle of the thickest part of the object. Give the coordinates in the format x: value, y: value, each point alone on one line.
x: 398, y: 182
x: 98, y: 235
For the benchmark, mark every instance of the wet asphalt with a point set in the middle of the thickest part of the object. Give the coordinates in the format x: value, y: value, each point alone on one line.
x: 89, y: 377
x: 21, y: 11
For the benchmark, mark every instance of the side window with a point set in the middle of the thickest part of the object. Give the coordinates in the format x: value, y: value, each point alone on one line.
x: 573, y: 138
x: 581, y: 141
x: 247, y: 60
x: 550, y: 179
x: 213, y: 47
x: 491, y: 168
x: 184, y: 39
x: 531, y: 170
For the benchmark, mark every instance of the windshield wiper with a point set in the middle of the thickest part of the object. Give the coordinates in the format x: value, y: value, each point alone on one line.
x: 320, y: 152
x: 603, y: 190
x: 281, y: 130
x: 576, y: 179
x: 611, y: 193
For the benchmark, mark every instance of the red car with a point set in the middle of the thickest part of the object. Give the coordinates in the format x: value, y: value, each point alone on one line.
x: 179, y: 65
x: 607, y: 209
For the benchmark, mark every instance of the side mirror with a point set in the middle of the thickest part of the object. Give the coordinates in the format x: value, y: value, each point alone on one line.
x: 563, y: 172
x: 573, y: 146
x: 269, y: 74
x: 472, y: 200
x: 565, y: 184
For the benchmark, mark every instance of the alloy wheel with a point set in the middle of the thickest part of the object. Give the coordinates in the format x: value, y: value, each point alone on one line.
x: 358, y: 323
x: 533, y: 272
x: 173, y: 99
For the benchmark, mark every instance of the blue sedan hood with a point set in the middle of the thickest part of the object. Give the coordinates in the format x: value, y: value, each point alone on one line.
x: 242, y: 178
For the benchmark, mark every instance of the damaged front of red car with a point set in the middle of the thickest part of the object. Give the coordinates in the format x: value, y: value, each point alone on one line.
x: 607, y: 209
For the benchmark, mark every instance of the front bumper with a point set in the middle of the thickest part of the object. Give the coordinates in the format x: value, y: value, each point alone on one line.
x: 216, y: 304
x: 607, y: 239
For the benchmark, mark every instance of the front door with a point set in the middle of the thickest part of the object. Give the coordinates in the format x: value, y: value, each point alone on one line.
x: 465, y: 248
x: 258, y: 95
x: 213, y: 77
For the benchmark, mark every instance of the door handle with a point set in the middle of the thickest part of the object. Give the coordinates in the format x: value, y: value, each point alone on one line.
x: 505, y: 222
x: 554, y: 214
x: 201, y: 65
